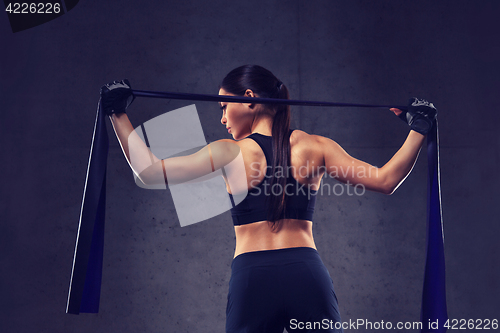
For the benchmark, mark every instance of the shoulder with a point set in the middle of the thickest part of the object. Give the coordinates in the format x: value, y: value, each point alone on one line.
x: 312, y: 141
x: 226, y: 149
x: 315, y: 147
x: 225, y: 146
x: 230, y: 145
x: 302, y: 136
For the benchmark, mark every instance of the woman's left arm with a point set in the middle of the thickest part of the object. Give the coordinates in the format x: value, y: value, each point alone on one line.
x: 137, y: 154
x: 174, y: 170
x: 151, y: 170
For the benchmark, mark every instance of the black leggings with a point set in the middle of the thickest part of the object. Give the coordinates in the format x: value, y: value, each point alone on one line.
x: 287, y: 288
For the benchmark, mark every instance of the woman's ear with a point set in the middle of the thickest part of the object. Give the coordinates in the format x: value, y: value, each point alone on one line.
x: 250, y: 93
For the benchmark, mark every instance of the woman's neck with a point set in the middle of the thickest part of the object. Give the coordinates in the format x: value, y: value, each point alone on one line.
x: 263, y: 125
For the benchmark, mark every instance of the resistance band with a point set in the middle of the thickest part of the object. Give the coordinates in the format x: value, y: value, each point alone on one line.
x: 434, y: 313
x: 85, y: 285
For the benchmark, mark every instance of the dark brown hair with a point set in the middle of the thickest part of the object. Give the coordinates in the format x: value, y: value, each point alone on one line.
x: 263, y: 83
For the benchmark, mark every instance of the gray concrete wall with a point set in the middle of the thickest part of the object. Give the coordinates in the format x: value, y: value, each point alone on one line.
x: 159, y: 277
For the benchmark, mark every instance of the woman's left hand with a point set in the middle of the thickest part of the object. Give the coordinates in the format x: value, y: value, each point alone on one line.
x: 116, y: 97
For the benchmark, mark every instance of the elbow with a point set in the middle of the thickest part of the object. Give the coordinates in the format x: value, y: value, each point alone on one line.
x: 149, y: 179
x: 388, y: 182
x: 380, y: 181
x: 145, y: 181
x: 387, y: 190
x: 148, y: 183
x: 388, y: 187
x: 382, y: 187
x: 152, y: 176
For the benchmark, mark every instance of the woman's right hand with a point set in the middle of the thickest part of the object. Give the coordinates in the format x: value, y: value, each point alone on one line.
x: 116, y: 97
x: 420, y: 116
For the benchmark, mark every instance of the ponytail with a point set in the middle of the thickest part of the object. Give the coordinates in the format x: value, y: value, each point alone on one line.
x: 281, y: 153
x: 262, y: 82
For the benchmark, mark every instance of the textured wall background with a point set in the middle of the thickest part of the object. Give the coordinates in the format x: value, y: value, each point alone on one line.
x: 159, y: 277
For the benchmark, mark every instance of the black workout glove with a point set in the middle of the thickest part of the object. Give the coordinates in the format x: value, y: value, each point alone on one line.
x: 421, y: 115
x: 116, y: 97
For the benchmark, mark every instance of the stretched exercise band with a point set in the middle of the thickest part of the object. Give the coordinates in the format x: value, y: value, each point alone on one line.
x: 258, y: 100
x: 85, y: 285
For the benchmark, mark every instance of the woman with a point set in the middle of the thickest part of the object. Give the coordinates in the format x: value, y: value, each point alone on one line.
x: 278, y: 279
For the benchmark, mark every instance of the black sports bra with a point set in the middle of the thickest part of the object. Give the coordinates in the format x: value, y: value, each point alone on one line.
x: 254, y: 208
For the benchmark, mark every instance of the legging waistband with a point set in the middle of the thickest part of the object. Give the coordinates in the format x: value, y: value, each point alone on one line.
x: 275, y: 257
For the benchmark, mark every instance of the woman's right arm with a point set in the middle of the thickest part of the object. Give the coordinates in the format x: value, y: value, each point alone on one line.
x: 347, y: 169
x: 420, y: 116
